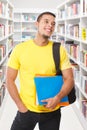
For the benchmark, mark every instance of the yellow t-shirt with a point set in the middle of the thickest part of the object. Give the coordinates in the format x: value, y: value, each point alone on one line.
x: 31, y: 59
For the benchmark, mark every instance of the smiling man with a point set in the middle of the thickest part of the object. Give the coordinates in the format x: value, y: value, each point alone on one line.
x: 30, y: 58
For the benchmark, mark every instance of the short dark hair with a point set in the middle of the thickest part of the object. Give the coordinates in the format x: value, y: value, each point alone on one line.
x: 50, y: 13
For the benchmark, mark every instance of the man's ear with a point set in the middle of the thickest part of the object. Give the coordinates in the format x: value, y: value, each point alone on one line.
x: 36, y: 24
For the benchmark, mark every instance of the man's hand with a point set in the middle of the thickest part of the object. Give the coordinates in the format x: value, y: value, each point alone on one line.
x: 22, y: 108
x: 51, y: 102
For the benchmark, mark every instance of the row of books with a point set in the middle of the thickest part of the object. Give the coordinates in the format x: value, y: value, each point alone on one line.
x: 2, y: 93
x: 61, y: 28
x: 2, y: 30
x: 53, y: 37
x: 84, y: 33
x: 83, y: 83
x: 27, y: 36
x: 80, y: 77
x: 84, y: 108
x: 61, y: 39
x: 2, y: 51
x: 10, y: 28
x: 29, y: 27
x: 62, y: 14
x: 2, y: 8
x: 85, y: 6
x: 76, y: 72
x: 10, y: 13
x: 4, y: 11
x: 2, y: 72
x: 10, y: 43
x: 78, y: 95
x: 73, y: 9
x: 2, y: 81
x: 27, y: 17
x: 83, y: 57
x: 72, y: 30
x: 70, y: 10
x: 73, y: 49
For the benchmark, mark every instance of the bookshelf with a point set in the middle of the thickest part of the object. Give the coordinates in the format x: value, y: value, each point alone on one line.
x: 71, y: 31
x: 6, y: 42
x: 24, y: 24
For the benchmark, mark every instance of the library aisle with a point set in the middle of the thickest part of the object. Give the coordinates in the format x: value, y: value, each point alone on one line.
x: 69, y: 119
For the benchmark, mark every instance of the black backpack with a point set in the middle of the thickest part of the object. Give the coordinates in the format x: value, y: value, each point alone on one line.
x: 56, y: 56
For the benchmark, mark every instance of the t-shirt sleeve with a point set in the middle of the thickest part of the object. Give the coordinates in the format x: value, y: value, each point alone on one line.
x: 64, y: 59
x: 13, y: 60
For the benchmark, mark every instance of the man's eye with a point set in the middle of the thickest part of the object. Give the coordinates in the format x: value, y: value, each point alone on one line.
x: 46, y: 21
x: 53, y: 24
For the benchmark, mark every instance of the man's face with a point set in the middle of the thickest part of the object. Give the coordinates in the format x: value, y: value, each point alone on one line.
x: 46, y: 25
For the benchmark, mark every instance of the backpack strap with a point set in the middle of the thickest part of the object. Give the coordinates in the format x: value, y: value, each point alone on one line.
x: 56, y: 56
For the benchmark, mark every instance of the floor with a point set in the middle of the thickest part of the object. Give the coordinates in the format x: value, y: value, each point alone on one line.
x: 69, y: 119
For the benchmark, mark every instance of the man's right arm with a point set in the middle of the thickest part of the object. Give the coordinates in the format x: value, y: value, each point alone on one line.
x: 11, y: 75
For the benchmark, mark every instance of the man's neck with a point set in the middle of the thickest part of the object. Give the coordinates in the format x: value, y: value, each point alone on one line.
x: 41, y: 42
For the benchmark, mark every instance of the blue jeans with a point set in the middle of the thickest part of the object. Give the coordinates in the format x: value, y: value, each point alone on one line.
x: 28, y: 120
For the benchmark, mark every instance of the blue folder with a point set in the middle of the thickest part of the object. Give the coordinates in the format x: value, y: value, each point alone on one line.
x: 48, y: 87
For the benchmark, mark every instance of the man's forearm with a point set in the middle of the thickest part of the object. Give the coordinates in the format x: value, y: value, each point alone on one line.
x: 66, y: 88
x: 13, y: 91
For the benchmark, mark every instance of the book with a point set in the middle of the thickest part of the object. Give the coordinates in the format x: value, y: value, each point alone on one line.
x: 48, y: 87
x: 84, y: 108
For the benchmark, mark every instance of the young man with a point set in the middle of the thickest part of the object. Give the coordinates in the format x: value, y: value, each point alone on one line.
x: 35, y: 57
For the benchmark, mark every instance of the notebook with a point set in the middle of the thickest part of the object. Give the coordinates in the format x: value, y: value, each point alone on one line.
x: 48, y: 87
